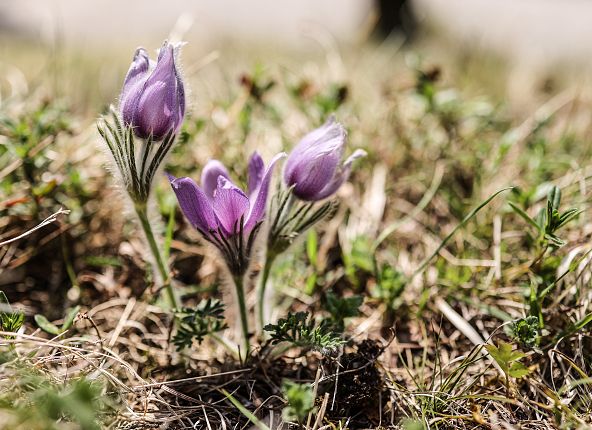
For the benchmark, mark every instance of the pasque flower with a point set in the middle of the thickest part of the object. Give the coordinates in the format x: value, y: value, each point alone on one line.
x: 152, y: 100
x: 151, y: 108
x: 228, y: 217
x: 223, y: 213
x: 313, y: 172
x: 313, y: 167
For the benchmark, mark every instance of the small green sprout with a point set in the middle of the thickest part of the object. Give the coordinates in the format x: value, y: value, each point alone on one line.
x: 298, y: 331
x: 300, y: 400
x: 51, y: 328
x: 390, y: 284
x: 195, y: 324
x: 549, y: 220
x: 509, y: 361
x: 341, y: 308
x: 526, y: 331
x: 10, y: 320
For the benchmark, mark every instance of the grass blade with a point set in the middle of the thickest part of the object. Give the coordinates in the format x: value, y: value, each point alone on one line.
x: 465, y: 220
x: 256, y: 421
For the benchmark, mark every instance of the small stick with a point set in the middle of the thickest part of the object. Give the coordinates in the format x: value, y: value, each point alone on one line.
x: 50, y: 219
x: 314, y: 395
x: 321, y: 413
x: 124, y: 317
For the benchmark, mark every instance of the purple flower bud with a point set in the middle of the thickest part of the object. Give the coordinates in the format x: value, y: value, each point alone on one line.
x: 152, y: 100
x: 223, y: 210
x: 313, y: 167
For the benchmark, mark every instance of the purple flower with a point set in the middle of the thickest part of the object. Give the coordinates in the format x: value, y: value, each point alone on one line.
x: 223, y: 213
x: 152, y: 100
x: 313, y: 167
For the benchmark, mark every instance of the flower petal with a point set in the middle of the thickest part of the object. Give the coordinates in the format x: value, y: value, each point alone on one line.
x: 157, y: 110
x: 259, y: 200
x: 230, y: 205
x: 328, y: 138
x: 314, y: 162
x: 194, y: 203
x: 341, y: 176
x: 138, y: 69
x: 255, y: 173
x: 210, y: 174
x: 133, y: 84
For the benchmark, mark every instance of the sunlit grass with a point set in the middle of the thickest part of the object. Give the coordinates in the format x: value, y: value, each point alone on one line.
x: 405, y: 260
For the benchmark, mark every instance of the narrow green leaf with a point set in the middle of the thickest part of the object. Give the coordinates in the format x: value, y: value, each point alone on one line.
x: 460, y: 225
x: 525, y: 216
x: 567, y: 216
x: 256, y: 421
x: 541, y: 218
x: 46, y: 326
x: 311, y: 283
x: 311, y: 247
x: 69, y: 319
x: 4, y: 299
x: 583, y: 322
x: 554, y: 197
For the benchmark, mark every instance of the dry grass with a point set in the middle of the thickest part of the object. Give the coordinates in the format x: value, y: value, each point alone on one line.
x: 437, y: 149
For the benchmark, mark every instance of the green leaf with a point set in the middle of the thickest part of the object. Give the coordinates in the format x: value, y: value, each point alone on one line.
x: 256, y: 422
x: 508, y: 359
x: 46, y: 326
x: 583, y: 322
x: 541, y: 218
x: 311, y: 283
x: 554, y: 198
x: 567, y: 216
x: 525, y: 216
x: 194, y: 324
x: 518, y: 370
x: 410, y: 424
x: 554, y: 240
x: 525, y: 330
x: 300, y: 400
x: 69, y: 319
x: 10, y: 320
x: 341, y: 308
x: 311, y: 247
x: 298, y: 331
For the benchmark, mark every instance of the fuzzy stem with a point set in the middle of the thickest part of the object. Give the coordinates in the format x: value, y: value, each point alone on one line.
x: 242, y: 307
x: 141, y: 211
x: 269, y: 259
x: 282, y: 219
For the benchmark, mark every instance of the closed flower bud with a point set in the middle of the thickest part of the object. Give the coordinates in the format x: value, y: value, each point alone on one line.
x: 313, y: 168
x: 152, y: 100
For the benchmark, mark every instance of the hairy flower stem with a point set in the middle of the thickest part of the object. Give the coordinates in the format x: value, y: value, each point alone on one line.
x: 274, y: 248
x: 242, y: 307
x: 142, y: 212
x: 269, y: 259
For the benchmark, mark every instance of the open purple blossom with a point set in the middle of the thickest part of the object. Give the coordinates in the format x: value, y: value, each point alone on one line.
x: 152, y: 100
x: 223, y: 213
x: 313, y: 167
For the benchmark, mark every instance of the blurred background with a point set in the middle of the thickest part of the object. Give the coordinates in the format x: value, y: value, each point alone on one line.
x: 533, y: 30
x: 531, y: 37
